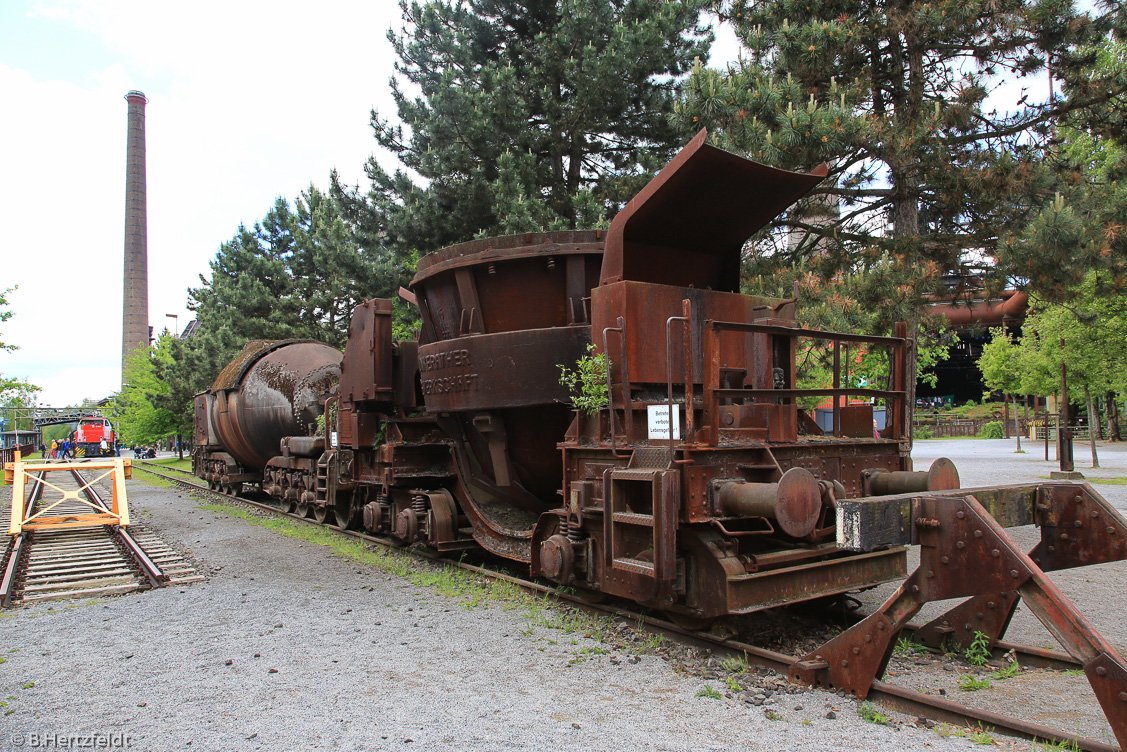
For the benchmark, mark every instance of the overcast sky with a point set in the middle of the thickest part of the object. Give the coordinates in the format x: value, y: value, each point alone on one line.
x: 248, y: 101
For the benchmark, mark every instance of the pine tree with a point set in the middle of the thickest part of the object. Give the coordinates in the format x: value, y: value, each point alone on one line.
x: 1081, y: 229
x: 296, y: 274
x: 534, y: 115
x: 893, y: 95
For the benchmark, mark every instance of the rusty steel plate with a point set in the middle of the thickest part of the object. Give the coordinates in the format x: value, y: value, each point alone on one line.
x: 497, y: 371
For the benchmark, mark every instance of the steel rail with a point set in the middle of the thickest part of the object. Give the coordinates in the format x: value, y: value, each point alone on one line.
x: 17, y: 547
x: 129, y: 545
x: 888, y: 695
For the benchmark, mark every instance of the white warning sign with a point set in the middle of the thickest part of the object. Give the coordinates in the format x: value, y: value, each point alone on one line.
x: 659, y: 422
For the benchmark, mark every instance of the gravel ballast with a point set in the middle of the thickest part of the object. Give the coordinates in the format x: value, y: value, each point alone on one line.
x: 289, y: 646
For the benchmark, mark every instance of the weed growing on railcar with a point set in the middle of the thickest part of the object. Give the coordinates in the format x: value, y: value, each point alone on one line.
x: 587, y: 384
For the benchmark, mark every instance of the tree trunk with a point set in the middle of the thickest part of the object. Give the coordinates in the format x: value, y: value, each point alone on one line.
x: 1112, y: 407
x: 1006, y: 415
x: 1099, y: 427
x: 179, y: 446
x: 1093, y: 423
x: 1017, y: 428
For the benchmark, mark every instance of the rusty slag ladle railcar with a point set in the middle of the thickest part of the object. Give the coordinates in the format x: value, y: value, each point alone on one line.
x: 703, y: 489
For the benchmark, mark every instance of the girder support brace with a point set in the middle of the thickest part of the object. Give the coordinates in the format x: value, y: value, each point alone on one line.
x: 966, y: 553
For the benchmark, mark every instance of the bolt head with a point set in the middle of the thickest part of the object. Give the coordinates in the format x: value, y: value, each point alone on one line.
x: 945, y: 560
x: 960, y: 514
x: 1013, y: 573
x: 995, y: 553
x: 977, y: 533
x: 1101, y: 671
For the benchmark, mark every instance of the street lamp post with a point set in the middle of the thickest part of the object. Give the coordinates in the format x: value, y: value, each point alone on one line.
x: 175, y: 323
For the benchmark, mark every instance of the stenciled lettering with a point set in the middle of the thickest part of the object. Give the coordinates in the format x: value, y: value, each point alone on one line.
x: 466, y: 382
x: 444, y: 359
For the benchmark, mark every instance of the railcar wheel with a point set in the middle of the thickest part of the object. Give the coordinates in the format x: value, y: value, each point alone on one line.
x: 302, y: 509
x: 320, y: 513
x: 236, y: 489
x: 287, y: 506
x: 346, y: 517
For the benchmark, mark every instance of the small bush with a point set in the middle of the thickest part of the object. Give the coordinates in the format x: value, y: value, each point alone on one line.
x: 920, y: 433
x: 587, y: 384
x: 992, y: 430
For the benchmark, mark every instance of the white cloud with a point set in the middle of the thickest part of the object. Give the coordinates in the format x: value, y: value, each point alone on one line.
x: 247, y: 101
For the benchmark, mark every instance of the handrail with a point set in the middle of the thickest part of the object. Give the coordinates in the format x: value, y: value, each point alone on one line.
x: 686, y: 319
x: 711, y: 370
x: 794, y: 331
x: 621, y: 329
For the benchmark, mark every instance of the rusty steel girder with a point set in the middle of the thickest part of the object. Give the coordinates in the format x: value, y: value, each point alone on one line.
x: 965, y: 552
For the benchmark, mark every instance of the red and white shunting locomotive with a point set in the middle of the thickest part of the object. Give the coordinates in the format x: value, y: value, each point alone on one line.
x: 94, y: 437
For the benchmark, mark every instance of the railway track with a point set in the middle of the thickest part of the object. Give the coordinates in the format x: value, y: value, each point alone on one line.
x: 892, y: 696
x: 83, y: 562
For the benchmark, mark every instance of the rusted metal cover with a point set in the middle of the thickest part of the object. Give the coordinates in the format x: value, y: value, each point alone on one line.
x: 203, y: 433
x: 272, y: 390
x: 518, y: 282
x: 688, y: 226
x: 646, y: 307
x: 366, y: 372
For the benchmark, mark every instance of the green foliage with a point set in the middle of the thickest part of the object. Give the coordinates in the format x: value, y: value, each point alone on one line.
x: 866, y: 300
x: 515, y: 116
x: 1079, y: 230
x: 298, y: 273
x: 587, y: 384
x: 992, y: 430
x: 709, y: 693
x: 922, y: 433
x: 1008, y: 672
x: 871, y: 713
x: 971, y: 683
x: 736, y: 664
x: 1086, y: 333
x: 893, y: 97
x: 982, y: 736
x: 137, y: 411
x: 978, y: 653
x: 12, y: 388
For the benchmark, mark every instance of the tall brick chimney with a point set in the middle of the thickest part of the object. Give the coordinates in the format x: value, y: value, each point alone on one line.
x: 135, y: 320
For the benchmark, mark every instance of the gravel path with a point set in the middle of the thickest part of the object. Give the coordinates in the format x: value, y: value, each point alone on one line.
x: 289, y: 646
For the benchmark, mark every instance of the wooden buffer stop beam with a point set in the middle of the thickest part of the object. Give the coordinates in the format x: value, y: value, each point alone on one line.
x: 965, y: 552
x: 19, y: 473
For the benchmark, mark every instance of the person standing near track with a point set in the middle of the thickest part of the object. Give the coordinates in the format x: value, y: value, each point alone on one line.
x: 54, y: 448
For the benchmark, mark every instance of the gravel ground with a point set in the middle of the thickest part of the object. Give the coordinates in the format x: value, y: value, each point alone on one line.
x: 289, y: 646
